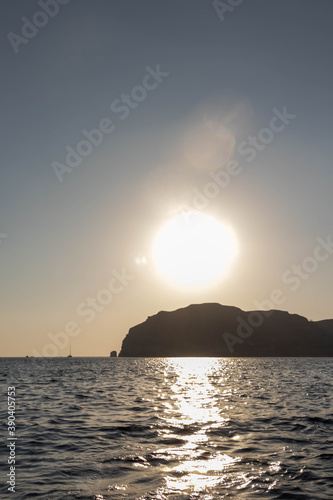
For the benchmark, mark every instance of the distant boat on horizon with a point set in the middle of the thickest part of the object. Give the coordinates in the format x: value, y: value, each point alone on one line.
x: 70, y: 352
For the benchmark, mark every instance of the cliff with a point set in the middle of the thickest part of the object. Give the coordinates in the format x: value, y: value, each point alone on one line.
x: 217, y: 330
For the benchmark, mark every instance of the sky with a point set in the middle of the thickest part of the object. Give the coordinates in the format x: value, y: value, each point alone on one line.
x: 181, y: 93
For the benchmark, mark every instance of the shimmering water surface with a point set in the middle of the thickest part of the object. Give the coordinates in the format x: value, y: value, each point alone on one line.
x: 173, y: 428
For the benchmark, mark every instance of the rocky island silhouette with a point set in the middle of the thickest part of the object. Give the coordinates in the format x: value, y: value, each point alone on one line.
x: 213, y: 329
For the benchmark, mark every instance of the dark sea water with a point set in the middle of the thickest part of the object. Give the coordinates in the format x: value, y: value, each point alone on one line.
x: 173, y: 428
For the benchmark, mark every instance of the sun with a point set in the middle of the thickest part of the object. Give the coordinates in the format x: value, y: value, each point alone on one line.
x: 194, y: 250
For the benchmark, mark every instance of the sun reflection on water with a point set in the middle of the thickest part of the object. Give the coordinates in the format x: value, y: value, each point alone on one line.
x: 194, y: 407
x: 192, y: 393
x: 201, y: 445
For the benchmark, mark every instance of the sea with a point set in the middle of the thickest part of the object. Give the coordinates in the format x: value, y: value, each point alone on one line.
x: 168, y: 428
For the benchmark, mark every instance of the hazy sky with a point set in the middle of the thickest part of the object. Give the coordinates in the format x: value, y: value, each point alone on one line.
x: 210, y: 84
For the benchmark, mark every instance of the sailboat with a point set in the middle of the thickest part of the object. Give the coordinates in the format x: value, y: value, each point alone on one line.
x: 70, y: 352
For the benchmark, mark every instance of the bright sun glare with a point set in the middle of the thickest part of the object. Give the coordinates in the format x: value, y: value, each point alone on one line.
x: 194, y: 250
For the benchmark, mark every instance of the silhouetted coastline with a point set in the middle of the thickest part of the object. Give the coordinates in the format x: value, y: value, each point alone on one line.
x: 217, y: 330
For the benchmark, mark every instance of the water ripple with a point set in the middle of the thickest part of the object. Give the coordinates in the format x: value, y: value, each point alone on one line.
x: 177, y: 428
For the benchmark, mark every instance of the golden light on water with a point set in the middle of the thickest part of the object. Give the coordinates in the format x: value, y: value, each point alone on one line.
x: 191, y: 391
x: 194, y: 250
x: 194, y: 408
x: 205, y: 432
x: 196, y: 437
x: 199, y: 475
